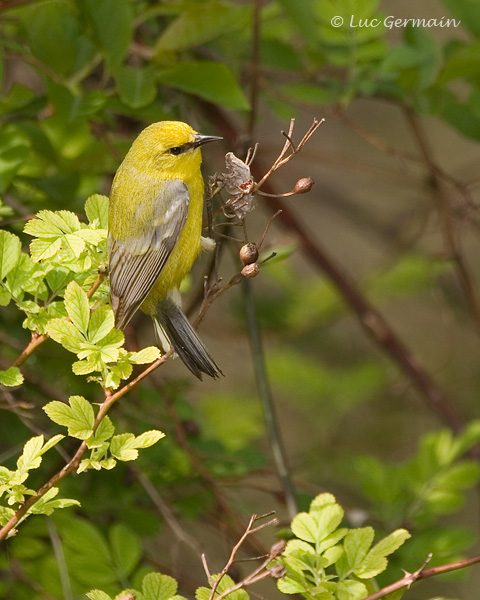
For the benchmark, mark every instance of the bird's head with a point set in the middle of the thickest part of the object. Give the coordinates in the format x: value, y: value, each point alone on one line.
x: 170, y: 149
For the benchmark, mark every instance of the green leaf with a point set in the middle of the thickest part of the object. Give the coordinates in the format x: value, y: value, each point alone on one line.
x: 56, y: 37
x: 126, y: 549
x: 122, y: 447
x: 77, y: 305
x: 10, y: 252
x: 78, y: 416
x: 96, y: 209
x: 147, y: 439
x: 158, y: 587
x: 305, y: 527
x: 105, y: 430
x: 145, y: 356
x: 199, y: 24
x: 66, y: 334
x: 42, y: 249
x: 101, y: 323
x: 351, y: 590
x: 31, y: 456
x: 357, y: 543
x: 52, y: 442
x: 136, y: 85
x: 375, y: 561
x: 98, y: 595
x: 49, y: 224
x: 112, y: 23
x: 11, y: 377
x: 209, y: 80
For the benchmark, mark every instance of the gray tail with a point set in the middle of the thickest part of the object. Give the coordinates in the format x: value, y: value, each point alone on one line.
x: 172, y: 325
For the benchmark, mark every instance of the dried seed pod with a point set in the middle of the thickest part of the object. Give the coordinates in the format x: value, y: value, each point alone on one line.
x: 277, y: 548
x: 248, y: 253
x: 251, y: 270
x: 303, y: 185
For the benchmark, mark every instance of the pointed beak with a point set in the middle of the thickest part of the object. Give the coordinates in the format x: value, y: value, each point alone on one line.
x: 204, y: 139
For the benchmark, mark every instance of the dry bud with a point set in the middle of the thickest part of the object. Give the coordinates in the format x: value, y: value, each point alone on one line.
x: 278, y: 571
x: 277, y: 548
x: 248, y: 253
x: 303, y: 185
x: 250, y: 270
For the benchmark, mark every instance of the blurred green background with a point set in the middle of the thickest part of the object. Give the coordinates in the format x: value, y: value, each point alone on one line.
x: 394, y: 212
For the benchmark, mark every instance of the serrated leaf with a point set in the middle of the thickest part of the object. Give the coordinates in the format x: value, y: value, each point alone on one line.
x: 58, y: 412
x: 78, y: 417
x: 322, y: 500
x: 148, y: 439
x: 305, y: 527
x: 42, y: 249
x: 11, y: 377
x: 96, y: 209
x: 145, y: 356
x: 83, y: 418
x: 105, y: 430
x: 351, y: 590
x: 74, y: 243
x: 92, y: 236
x: 98, y: 595
x: 158, y: 587
x: 375, y: 561
x: 121, y: 447
x: 77, y: 305
x: 84, y: 367
x: 357, y: 543
x: 126, y: 549
x: 101, y: 323
x: 52, y: 442
x: 66, y: 334
x: 31, y: 456
x: 10, y: 252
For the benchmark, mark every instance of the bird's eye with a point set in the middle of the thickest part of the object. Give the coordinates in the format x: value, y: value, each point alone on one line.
x: 176, y: 150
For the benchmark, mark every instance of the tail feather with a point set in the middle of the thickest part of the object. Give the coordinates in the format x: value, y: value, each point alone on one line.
x: 173, y: 327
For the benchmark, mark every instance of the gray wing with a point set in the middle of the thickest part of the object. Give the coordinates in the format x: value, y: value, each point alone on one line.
x: 135, y: 263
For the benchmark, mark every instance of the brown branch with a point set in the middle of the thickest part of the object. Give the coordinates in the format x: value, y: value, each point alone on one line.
x: 422, y: 573
x: 254, y: 576
x: 35, y: 342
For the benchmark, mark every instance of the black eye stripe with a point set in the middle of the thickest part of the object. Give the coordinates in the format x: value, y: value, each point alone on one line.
x: 176, y: 150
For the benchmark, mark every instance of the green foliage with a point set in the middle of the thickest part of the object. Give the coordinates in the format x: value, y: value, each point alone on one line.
x: 433, y: 482
x: 155, y: 586
x: 81, y: 77
x: 13, y: 490
x: 331, y: 562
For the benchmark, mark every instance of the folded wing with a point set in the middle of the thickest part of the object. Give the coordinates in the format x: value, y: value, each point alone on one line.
x: 135, y: 263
